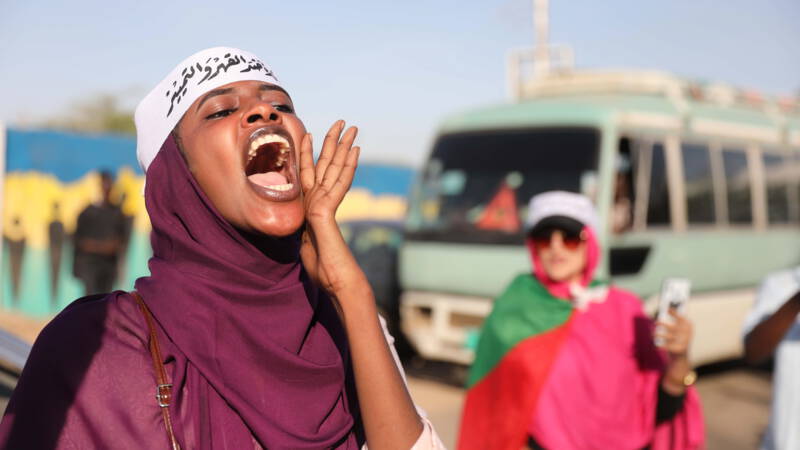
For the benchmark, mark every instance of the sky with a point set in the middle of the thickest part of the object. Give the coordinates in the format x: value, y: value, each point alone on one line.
x: 394, y: 69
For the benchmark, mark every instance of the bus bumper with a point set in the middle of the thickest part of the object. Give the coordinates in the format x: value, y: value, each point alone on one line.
x: 443, y: 327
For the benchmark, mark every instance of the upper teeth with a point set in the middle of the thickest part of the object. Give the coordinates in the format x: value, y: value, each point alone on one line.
x: 269, y: 139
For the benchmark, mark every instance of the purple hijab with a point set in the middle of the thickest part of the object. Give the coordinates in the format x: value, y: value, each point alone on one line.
x: 246, y: 318
x: 256, y: 354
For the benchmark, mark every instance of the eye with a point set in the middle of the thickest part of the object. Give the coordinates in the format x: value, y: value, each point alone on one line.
x: 282, y: 107
x: 221, y: 113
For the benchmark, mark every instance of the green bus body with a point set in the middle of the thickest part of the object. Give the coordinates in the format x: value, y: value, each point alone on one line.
x: 448, y: 286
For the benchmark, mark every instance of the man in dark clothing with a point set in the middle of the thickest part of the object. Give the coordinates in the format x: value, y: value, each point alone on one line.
x: 99, y: 238
x: 55, y: 234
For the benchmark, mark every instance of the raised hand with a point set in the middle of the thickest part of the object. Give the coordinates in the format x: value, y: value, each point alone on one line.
x: 675, y: 336
x: 390, y: 419
x: 325, y: 255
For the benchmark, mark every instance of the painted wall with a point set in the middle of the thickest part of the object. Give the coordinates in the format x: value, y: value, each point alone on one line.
x: 52, y: 176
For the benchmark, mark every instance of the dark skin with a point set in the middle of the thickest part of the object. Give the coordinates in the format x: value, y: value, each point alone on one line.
x: 214, y: 133
x: 761, y: 342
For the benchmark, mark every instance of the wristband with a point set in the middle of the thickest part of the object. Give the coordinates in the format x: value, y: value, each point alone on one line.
x: 687, y: 379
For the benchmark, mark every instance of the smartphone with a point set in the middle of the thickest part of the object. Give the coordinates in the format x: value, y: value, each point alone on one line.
x: 674, y: 294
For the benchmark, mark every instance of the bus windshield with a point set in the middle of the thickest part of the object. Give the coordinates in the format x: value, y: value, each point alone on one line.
x: 476, y: 186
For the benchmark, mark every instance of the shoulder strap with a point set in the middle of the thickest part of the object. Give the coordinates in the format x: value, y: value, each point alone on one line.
x: 163, y: 388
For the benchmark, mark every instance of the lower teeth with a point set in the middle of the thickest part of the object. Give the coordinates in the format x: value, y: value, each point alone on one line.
x: 281, y: 187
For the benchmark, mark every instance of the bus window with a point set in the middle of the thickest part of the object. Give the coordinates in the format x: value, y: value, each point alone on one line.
x: 737, y: 180
x: 622, y: 213
x: 658, y: 210
x: 699, y: 184
x: 777, y: 178
x: 477, y: 185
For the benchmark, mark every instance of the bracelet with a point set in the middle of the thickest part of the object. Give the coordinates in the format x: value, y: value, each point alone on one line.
x: 687, y: 379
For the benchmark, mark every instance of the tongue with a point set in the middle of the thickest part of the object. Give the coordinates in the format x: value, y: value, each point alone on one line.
x: 268, y: 179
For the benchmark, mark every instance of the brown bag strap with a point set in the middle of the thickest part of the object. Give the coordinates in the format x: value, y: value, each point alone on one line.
x: 163, y: 388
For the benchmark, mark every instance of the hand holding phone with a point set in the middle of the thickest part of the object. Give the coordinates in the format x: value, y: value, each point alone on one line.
x: 674, y: 294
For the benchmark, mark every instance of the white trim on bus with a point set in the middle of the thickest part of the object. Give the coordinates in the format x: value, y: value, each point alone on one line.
x: 676, y: 189
x: 718, y: 178
x: 735, y: 130
x: 648, y: 120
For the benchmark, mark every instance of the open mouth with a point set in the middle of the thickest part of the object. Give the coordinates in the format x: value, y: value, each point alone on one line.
x: 269, y: 161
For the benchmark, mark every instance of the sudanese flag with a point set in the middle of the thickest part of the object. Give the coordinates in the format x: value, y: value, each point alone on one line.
x: 519, y: 342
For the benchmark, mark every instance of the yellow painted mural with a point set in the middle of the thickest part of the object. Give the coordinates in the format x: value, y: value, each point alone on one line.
x: 37, y: 275
x: 33, y: 200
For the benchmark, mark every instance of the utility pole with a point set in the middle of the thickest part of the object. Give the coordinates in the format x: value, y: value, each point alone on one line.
x: 541, y: 44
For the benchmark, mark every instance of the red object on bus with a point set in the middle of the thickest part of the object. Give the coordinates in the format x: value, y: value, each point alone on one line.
x: 501, y: 213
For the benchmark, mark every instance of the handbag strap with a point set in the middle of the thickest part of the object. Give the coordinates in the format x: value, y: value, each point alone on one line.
x: 163, y: 388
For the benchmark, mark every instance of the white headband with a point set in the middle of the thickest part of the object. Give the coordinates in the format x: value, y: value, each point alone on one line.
x: 159, y: 112
x: 561, y: 203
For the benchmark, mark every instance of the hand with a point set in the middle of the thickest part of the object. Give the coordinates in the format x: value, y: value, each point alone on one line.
x: 325, y: 255
x: 677, y: 336
x: 389, y: 417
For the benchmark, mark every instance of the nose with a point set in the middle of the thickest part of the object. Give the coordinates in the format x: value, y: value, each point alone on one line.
x: 261, y: 112
x: 557, y: 240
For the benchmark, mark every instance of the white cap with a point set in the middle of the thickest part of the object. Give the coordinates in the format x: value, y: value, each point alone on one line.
x: 561, y: 203
x: 159, y: 112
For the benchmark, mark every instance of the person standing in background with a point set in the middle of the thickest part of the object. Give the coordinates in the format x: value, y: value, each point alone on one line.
x: 99, y: 241
x: 55, y: 235
x: 568, y: 361
x: 15, y: 241
x: 773, y: 328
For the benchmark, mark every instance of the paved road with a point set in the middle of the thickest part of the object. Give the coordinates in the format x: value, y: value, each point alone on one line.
x: 735, y: 402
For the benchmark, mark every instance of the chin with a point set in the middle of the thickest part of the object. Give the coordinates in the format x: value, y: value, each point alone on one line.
x: 280, y: 228
x: 558, y: 276
x: 279, y: 231
x: 279, y: 222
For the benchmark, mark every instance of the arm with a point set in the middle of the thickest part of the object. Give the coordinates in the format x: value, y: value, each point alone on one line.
x: 676, y: 337
x: 762, y: 341
x: 388, y: 413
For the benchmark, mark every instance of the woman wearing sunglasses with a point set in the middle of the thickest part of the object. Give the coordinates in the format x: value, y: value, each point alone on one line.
x: 567, y: 361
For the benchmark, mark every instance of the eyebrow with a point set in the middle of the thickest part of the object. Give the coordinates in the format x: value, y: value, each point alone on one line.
x: 213, y: 93
x: 272, y: 87
x: 224, y: 91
